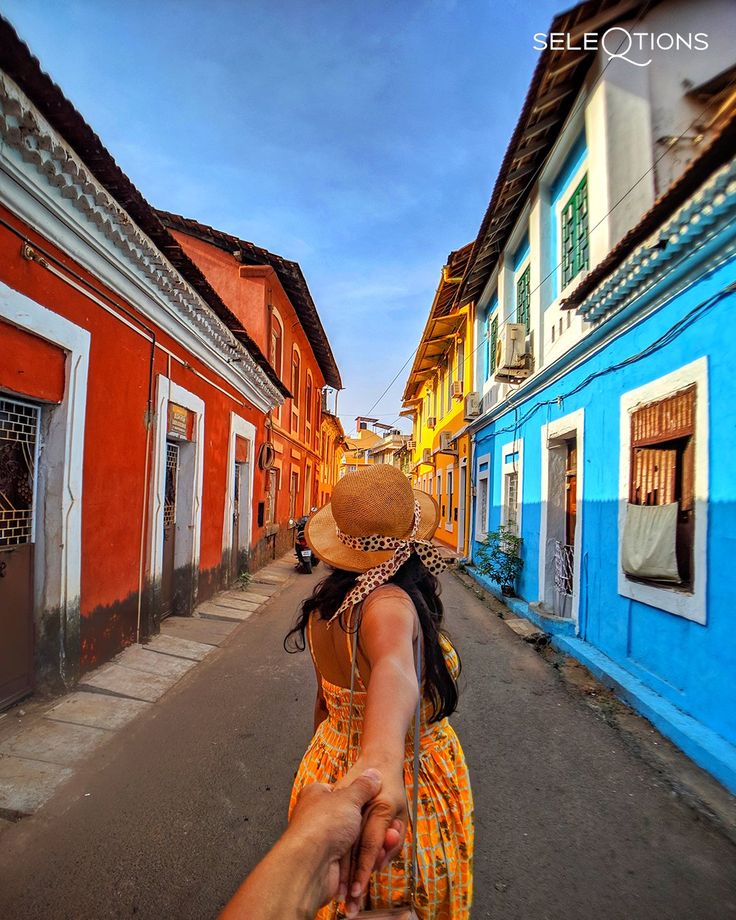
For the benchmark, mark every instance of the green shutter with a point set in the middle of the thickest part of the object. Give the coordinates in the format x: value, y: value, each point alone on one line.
x: 492, y: 349
x: 575, y: 233
x: 523, y: 295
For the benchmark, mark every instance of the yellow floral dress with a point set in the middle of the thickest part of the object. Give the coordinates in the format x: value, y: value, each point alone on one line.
x: 445, y: 812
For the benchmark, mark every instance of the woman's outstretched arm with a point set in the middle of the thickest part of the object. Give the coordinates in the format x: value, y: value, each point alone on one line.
x: 387, y: 631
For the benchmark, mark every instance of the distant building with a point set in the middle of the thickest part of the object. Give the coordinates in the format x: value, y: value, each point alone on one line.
x: 268, y: 296
x: 436, y: 397
x: 358, y: 446
x: 332, y: 449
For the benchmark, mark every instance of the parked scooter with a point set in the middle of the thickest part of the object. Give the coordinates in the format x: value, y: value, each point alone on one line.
x: 305, y: 560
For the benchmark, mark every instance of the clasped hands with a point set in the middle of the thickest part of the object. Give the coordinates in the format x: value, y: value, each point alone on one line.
x: 337, y: 836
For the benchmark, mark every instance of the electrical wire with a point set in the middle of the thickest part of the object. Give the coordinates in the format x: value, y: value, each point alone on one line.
x: 666, y: 338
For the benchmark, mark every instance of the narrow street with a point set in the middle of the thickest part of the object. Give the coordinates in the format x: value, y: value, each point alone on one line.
x: 166, y: 819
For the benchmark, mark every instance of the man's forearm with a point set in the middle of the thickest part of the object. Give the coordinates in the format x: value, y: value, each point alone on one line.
x: 285, y: 885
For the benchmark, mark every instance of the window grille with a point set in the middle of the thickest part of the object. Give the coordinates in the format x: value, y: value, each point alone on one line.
x: 512, y: 495
x: 172, y: 474
x: 575, y: 233
x: 18, y: 445
x: 523, y: 296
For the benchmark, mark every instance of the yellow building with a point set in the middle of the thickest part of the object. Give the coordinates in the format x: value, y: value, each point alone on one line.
x: 332, y: 449
x: 438, y: 401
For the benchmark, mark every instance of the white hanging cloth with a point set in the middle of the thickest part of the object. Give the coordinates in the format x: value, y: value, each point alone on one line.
x: 650, y: 534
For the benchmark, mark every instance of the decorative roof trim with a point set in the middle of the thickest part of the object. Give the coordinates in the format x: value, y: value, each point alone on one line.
x: 712, y: 207
x: 25, y: 130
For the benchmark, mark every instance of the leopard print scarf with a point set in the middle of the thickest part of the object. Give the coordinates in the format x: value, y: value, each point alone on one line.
x: 380, y: 574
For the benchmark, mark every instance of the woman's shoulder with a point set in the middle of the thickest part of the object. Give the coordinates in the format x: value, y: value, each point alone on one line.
x: 388, y: 593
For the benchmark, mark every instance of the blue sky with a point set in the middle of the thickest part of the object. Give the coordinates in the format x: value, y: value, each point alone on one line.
x: 361, y: 139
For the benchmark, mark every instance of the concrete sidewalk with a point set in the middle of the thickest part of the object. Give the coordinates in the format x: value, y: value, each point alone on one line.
x: 41, y: 743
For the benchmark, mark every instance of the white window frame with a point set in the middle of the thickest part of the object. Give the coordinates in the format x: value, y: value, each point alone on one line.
x: 481, y: 527
x: 168, y: 391
x: 239, y: 427
x: 58, y: 560
x: 562, y: 203
x: 572, y: 424
x: 689, y: 605
x: 512, y: 447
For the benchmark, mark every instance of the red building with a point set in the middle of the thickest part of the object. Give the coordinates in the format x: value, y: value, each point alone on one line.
x: 133, y: 403
x: 269, y: 296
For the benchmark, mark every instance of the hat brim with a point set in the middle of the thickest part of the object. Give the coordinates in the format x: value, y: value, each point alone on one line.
x: 321, y: 536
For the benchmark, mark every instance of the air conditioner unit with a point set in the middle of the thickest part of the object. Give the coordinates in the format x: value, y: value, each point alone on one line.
x: 457, y: 389
x: 512, y: 360
x: 445, y: 440
x: 472, y: 406
x: 431, y: 421
x: 426, y: 455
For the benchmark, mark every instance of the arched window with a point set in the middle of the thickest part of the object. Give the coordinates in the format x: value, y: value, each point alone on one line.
x: 296, y: 363
x: 277, y: 342
x: 308, y: 393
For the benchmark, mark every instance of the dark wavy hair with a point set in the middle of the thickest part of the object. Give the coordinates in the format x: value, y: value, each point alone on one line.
x: 424, y: 590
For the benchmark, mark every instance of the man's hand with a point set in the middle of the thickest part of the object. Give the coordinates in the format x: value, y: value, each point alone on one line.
x: 310, y: 864
x: 327, y: 820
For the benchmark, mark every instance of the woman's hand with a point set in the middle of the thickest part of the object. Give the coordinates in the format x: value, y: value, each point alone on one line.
x: 382, y: 835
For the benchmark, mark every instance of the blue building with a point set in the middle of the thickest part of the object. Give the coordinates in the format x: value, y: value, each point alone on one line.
x: 604, y: 278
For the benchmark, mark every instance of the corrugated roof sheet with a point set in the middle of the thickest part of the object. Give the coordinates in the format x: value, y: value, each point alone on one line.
x: 442, y: 322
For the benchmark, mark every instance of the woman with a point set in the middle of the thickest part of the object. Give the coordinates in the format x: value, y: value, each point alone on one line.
x: 375, y: 534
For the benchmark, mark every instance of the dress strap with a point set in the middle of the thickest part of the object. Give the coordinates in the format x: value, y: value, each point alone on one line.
x: 309, y: 639
x: 351, y: 637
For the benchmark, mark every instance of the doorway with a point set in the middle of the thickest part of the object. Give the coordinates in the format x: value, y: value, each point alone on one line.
x: 461, y: 499
x: 561, y: 517
x: 171, y: 488
x: 19, y: 427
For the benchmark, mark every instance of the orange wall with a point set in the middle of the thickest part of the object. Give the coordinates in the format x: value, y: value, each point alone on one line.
x: 115, y: 440
x: 30, y: 366
x: 248, y: 290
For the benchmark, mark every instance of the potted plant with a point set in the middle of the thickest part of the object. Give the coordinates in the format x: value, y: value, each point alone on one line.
x: 499, y: 558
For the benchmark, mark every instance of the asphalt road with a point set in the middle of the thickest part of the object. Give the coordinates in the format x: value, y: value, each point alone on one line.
x: 165, y: 820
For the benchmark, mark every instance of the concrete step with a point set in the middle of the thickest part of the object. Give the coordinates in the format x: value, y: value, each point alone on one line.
x: 97, y: 710
x: 209, y: 632
x: 179, y: 648
x: 116, y: 680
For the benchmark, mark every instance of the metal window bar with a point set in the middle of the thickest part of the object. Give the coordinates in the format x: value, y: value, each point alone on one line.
x: 172, y: 471
x: 19, y: 424
x: 564, y: 568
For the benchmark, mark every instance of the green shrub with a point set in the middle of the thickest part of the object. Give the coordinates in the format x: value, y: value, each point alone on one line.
x: 499, y: 558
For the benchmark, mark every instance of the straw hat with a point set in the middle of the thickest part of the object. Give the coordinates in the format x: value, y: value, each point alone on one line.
x: 375, y: 501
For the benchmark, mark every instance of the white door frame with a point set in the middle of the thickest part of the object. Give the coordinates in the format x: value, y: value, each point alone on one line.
x: 239, y: 427
x: 168, y: 391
